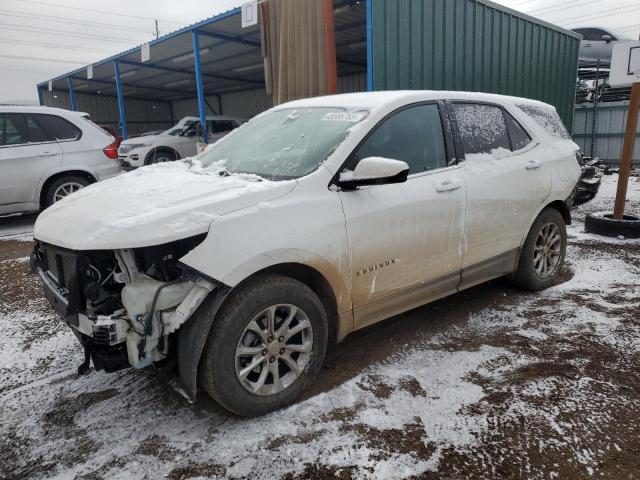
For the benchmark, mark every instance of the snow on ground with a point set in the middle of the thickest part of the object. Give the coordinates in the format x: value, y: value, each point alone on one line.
x: 490, y: 383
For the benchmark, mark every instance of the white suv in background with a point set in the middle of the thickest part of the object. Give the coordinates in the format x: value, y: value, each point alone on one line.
x: 317, y: 218
x: 180, y: 141
x: 48, y: 153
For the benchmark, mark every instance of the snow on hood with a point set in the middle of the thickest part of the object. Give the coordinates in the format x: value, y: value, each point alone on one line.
x: 151, y: 206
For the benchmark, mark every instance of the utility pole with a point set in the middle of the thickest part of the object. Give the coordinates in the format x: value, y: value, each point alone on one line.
x: 626, y: 159
x: 157, y: 30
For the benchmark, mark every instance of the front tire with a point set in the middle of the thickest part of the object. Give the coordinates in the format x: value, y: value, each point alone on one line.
x: 265, y: 347
x: 543, y: 253
x: 161, y: 156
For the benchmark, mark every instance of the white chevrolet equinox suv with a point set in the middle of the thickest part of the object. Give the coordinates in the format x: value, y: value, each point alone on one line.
x: 316, y: 218
x: 48, y: 153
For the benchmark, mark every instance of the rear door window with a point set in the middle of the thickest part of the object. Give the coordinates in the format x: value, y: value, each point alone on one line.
x: 58, y: 127
x: 37, y: 133
x: 482, y: 127
x: 413, y: 135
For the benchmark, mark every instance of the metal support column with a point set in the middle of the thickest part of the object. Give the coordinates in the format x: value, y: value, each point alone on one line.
x: 202, y: 108
x: 369, y: 27
x: 72, y: 95
x: 40, y: 96
x: 121, y: 110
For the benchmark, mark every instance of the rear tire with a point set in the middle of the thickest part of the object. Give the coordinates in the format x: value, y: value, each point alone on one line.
x: 543, y: 253
x: 62, y: 187
x: 284, y: 363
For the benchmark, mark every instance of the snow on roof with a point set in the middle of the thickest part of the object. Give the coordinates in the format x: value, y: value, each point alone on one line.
x: 376, y: 100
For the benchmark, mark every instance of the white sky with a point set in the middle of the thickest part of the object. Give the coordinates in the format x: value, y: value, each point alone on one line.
x: 40, y: 39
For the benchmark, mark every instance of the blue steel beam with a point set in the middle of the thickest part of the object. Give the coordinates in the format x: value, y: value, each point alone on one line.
x: 133, y: 85
x: 72, y: 95
x: 40, y: 96
x: 121, y: 109
x: 186, y: 71
x: 202, y: 109
x: 369, y: 27
x: 104, y: 95
x: 229, y: 38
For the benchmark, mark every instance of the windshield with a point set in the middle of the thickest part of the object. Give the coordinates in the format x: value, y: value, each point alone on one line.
x: 283, y: 144
x: 183, y: 129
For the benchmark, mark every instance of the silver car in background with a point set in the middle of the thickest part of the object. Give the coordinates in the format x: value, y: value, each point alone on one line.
x: 597, y: 43
x: 49, y: 153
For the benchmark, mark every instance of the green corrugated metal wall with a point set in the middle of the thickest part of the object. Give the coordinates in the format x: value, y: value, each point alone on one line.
x: 472, y: 45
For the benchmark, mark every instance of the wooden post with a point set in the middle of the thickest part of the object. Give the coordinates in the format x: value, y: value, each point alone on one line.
x: 626, y: 158
x: 330, y: 48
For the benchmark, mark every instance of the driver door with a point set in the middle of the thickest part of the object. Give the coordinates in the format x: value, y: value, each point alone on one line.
x: 405, y: 240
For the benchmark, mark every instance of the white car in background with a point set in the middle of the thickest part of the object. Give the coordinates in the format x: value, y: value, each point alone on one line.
x: 317, y: 218
x: 180, y: 141
x: 597, y: 43
x: 49, y: 153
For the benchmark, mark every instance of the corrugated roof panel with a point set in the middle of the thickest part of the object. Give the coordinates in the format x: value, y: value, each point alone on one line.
x: 473, y: 45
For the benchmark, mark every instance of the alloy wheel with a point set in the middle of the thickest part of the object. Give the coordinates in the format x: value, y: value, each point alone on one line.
x: 274, y: 349
x: 65, y: 190
x: 547, y: 251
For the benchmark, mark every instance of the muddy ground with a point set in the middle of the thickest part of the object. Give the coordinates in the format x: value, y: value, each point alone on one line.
x: 489, y: 383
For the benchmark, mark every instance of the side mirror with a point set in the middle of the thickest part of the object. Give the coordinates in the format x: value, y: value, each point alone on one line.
x: 607, y: 38
x: 374, y: 171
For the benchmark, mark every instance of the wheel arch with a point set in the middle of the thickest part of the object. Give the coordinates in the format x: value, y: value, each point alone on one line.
x: 66, y: 173
x: 317, y: 282
x: 561, y: 207
x: 163, y: 148
x: 193, y: 334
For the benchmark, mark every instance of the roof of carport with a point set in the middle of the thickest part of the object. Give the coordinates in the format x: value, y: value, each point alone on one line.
x: 231, y: 59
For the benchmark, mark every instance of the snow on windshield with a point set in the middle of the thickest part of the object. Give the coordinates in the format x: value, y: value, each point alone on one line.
x: 282, y: 144
x: 548, y: 119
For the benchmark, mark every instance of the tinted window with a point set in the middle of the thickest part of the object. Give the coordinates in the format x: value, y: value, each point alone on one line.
x: 592, y: 34
x: 519, y: 138
x: 10, y: 133
x: 221, y: 126
x: 548, y: 119
x: 36, y: 132
x: 482, y: 127
x: 59, y: 128
x: 413, y: 135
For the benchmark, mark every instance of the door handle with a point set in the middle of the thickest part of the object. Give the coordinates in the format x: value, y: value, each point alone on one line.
x: 533, y: 164
x: 47, y: 154
x: 448, y: 185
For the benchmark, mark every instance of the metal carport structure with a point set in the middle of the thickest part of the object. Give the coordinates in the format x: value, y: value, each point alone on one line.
x: 229, y: 61
x: 472, y: 45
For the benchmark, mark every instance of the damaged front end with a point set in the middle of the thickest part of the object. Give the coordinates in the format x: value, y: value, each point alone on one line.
x: 124, y: 306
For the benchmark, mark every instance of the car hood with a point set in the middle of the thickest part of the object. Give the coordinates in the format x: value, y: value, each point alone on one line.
x: 147, y: 139
x: 151, y: 206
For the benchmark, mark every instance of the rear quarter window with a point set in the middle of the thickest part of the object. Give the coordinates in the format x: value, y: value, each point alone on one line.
x: 518, y: 135
x: 548, y: 119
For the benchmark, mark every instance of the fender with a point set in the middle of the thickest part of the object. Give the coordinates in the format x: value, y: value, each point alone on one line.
x: 192, y: 338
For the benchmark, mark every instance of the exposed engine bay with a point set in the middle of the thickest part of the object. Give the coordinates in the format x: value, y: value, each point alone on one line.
x: 124, y: 306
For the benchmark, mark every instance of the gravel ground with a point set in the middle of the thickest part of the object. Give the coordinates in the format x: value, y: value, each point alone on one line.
x: 489, y: 383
